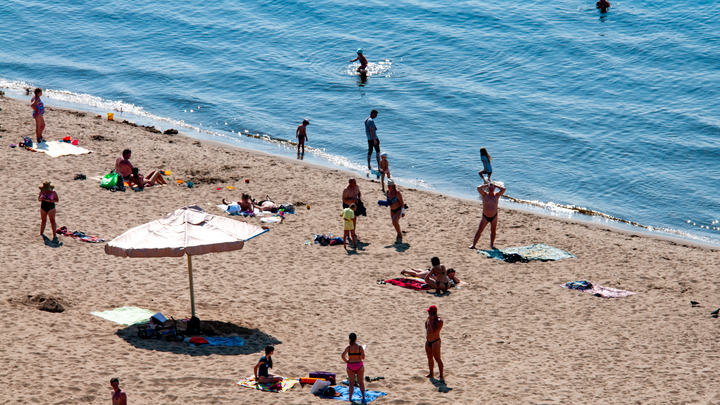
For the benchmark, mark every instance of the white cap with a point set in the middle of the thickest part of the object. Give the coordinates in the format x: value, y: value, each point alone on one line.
x: 384, y: 154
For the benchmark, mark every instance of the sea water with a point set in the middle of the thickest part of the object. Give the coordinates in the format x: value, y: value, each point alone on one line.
x: 612, y: 115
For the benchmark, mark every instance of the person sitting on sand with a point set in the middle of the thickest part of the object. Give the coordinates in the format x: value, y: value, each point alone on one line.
x: 118, y: 396
x: 363, y: 62
x: 490, y: 211
x: 417, y: 273
x: 437, y: 276
x: 123, y: 166
x: 48, y: 198
x: 355, y: 368
x: 138, y: 180
x: 245, y: 204
x: 433, y: 326
x: 261, y: 368
x: 384, y: 169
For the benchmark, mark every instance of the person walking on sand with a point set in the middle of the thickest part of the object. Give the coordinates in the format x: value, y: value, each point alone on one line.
x: 48, y: 198
x: 397, y: 208
x: 348, y: 214
x: 384, y: 169
x: 373, y: 141
x: 487, y: 168
x: 490, y: 200
x: 261, y: 368
x: 433, y: 326
x: 351, y: 195
x: 118, y: 396
x: 353, y: 357
x: 301, y: 135
x: 38, y: 112
x: 363, y: 62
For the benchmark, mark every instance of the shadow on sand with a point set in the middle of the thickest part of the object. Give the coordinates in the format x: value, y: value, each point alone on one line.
x: 255, y: 340
x: 400, y: 247
x: 440, y: 384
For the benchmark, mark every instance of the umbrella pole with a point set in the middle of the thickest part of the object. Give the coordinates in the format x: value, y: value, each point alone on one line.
x: 192, y: 290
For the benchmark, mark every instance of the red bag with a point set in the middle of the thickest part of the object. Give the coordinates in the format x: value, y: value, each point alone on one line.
x: 198, y: 341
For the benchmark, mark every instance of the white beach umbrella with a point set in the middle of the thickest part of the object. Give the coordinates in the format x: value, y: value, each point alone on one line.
x: 188, y: 231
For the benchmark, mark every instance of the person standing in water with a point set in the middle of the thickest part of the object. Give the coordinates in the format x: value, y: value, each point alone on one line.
x: 373, y: 141
x: 433, y: 326
x: 603, y: 5
x: 363, y: 61
x: 38, y: 112
x: 487, y: 168
x: 301, y: 135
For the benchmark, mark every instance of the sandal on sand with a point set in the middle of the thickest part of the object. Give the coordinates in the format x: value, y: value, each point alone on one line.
x: 380, y: 282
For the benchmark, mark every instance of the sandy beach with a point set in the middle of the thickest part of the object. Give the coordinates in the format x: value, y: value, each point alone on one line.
x: 511, y: 336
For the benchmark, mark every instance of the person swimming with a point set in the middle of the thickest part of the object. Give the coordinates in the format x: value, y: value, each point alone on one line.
x: 363, y: 61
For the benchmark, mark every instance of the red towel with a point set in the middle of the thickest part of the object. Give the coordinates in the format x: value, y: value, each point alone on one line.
x: 409, y: 283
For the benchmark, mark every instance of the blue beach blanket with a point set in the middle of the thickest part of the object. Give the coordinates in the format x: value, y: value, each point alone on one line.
x: 357, y: 397
x: 538, y: 251
x: 235, y: 341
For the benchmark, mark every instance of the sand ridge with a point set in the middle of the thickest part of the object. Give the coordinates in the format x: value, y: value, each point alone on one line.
x: 511, y: 336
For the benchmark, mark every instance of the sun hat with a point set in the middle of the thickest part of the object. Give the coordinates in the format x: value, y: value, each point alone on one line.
x: 432, y: 309
x: 46, y: 186
x: 391, y: 182
x: 360, y: 51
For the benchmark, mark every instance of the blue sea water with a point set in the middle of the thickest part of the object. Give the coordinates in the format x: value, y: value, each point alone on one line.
x: 617, y: 113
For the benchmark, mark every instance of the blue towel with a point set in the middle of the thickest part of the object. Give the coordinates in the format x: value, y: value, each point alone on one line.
x: 223, y: 341
x: 533, y: 252
x: 357, y: 397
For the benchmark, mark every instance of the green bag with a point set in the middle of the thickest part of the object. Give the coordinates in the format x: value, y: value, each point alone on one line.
x: 110, y: 180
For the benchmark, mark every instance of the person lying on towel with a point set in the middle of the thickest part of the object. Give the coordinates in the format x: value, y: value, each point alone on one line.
x: 245, y: 203
x: 140, y: 181
x: 418, y: 273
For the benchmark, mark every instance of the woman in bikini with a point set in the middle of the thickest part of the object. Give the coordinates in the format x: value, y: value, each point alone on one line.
x: 354, y: 361
x: 418, y: 273
x: 48, y: 197
x: 433, y: 326
x: 38, y: 112
x: 152, y: 179
x: 261, y: 369
x: 396, y: 208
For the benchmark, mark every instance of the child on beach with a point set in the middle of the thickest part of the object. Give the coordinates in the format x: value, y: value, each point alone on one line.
x: 301, y: 135
x: 363, y: 61
x: 261, y: 369
x: 348, y: 214
x: 384, y: 169
x: 48, y: 198
x: 38, y: 112
x: 487, y: 169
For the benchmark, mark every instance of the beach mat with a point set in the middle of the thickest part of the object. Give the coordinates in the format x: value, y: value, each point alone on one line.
x: 232, y: 341
x: 126, y: 315
x: 415, y: 283
x: 57, y: 149
x: 597, y: 290
x: 537, y: 251
x: 249, y: 382
x: 357, y: 396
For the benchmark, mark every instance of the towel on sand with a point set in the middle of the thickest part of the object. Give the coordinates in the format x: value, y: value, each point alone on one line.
x: 249, y: 382
x: 126, y: 315
x: 80, y: 236
x: 235, y: 341
x: 357, y: 396
x: 230, y: 209
x: 56, y: 148
x: 411, y: 283
x: 533, y: 252
x: 596, y: 290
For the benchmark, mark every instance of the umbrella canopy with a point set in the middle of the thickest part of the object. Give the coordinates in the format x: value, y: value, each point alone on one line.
x: 187, y: 231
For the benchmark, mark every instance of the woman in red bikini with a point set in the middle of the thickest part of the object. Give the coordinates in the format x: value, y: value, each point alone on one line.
x: 355, y: 356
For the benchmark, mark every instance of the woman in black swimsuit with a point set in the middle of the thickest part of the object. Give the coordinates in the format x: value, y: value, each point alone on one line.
x: 48, y: 198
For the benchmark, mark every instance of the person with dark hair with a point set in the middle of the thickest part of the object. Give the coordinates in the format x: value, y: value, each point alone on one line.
x: 348, y: 214
x: 351, y: 195
x: 419, y: 273
x: 38, y: 112
x: 433, y: 326
x: 353, y: 357
x: 118, y: 397
x: 487, y: 168
x: 48, y: 198
x: 261, y: 369
x: 397, y: 208
x: 244, y: 205
x: 491, y: 200
x: 123, y: 166
x: 301, y: 135
x: 373, y: 141
x: 437, y: 277
x: 602, y: 5
x: 138, y: 180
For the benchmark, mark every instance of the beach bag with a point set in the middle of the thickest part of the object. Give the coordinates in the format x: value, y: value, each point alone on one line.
x: 319, y: 387
x: 110, y: 180
x: 512, y: 257
x: 360, y: 210
x: 325, y: 375
x: 328, y: 392
x: 289, y: 208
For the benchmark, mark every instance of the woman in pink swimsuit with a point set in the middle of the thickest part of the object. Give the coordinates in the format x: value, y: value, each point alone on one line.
x: 354, y: 360
x: 38, y: 112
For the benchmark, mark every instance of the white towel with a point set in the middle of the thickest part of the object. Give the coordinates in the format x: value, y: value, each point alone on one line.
x: 57, y: 148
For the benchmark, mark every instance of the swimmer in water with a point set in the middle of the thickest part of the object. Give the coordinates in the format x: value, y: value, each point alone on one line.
x: 603, y: 5
x: 363, y: 61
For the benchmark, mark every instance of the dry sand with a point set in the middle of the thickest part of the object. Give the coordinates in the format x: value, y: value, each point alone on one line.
x: 511, y: 336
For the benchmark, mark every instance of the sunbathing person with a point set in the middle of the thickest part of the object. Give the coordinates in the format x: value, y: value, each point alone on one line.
x: 440, y: 281
x: 263, y: 365
x: 417, y: 273
x: 267, y: 205
x: 138, y: 180
x: 245, y: 203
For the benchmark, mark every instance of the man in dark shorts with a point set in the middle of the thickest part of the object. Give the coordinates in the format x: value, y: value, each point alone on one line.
x: 351, y: 195
x: 490, y: 200
x: 373, y: 141
x: 123, y: 166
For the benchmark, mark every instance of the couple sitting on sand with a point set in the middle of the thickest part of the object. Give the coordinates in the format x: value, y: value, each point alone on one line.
x: 247, y: 205
x: 436, y: 277
x: 132, y: 175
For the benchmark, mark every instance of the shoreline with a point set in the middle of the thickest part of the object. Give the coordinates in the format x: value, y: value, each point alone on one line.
x: 511, y: 203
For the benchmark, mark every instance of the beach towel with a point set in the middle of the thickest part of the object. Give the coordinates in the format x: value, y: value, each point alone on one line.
x: 249, y: 382
x: 533, y: 252
x: 411, y: 283
x: 126, y: 315
x: 357, y: 396
x: 596, y: 290
x: 233, y: 341
x: 79, y: 236
x: 232, y: 210
x: 272, y: 220
x: 57, y: 149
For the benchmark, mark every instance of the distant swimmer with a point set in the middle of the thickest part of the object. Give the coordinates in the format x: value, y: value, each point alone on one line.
x: 301, y: 135
x: 363, y: 61
x: 603, y: 5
